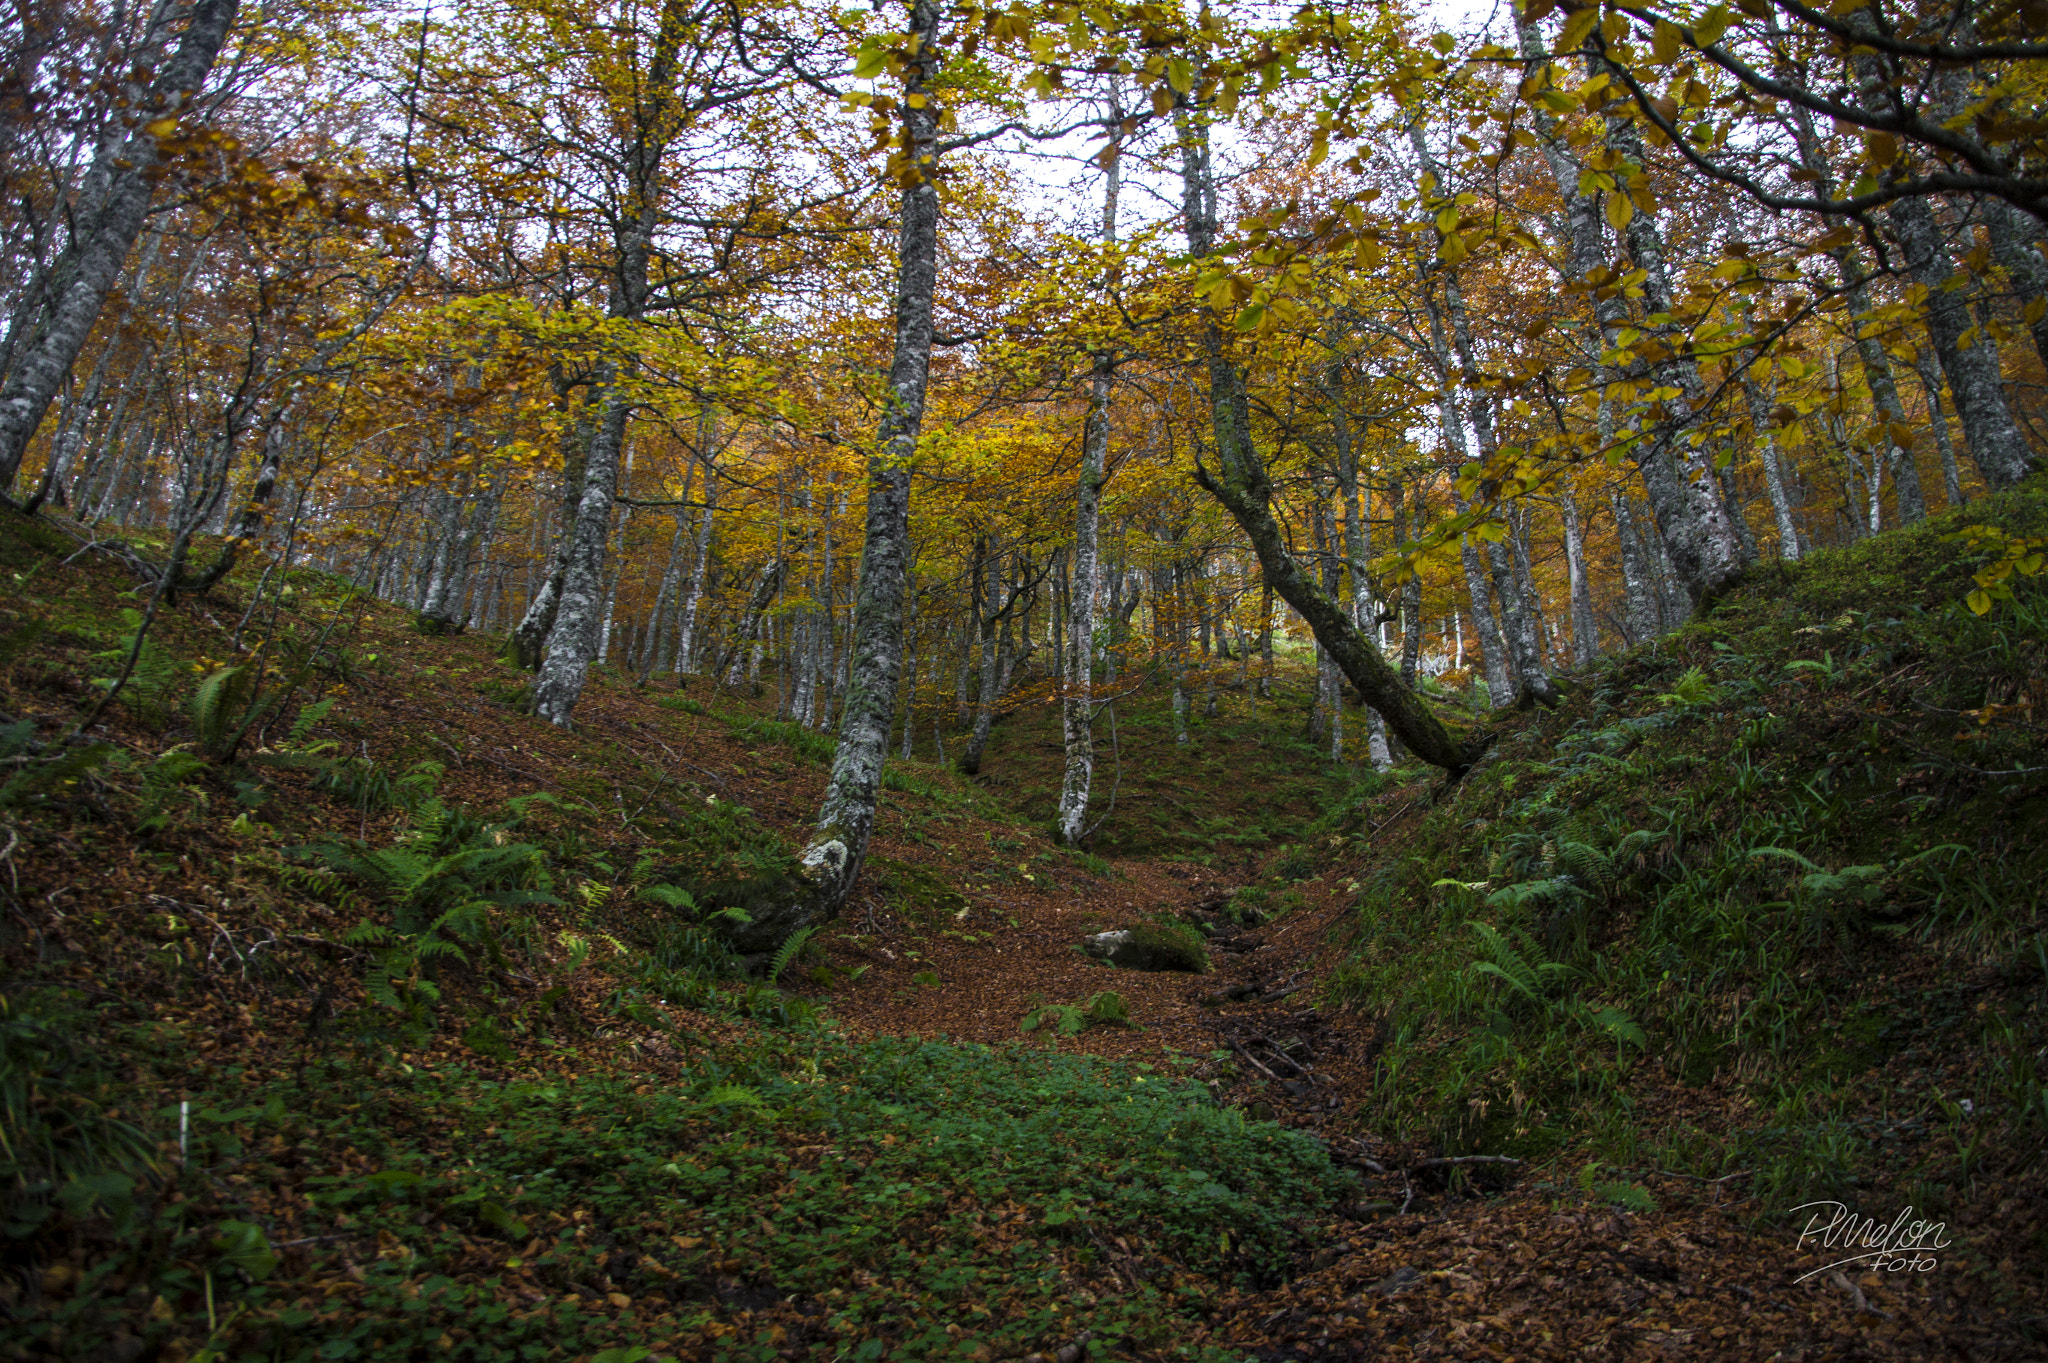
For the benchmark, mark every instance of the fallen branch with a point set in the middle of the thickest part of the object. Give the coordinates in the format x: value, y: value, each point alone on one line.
x: 1253, y: 1059
x: 1461, y: 1159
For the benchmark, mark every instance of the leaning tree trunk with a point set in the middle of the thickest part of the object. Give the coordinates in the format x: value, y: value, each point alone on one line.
x: 839, y: 846
x: 1243, y: 487
x: 116, y: 194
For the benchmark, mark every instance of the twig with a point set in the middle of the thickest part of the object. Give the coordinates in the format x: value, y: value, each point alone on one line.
x: 1725, y: 1178
x: 1254, y: 1059
x: 1279, y: 1054
x: 1461, y: 1159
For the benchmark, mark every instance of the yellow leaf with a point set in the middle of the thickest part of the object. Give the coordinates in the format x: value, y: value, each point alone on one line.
x: 1664, y: 42
x: 1711, y: 26
x: 1576, y: 28
x: 1979, y: 601
x: 162, y: 127
x: 1619, y: 211
x: 2036, y: 310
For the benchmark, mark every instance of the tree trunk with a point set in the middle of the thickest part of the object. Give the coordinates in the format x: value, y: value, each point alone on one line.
x: 1077, y: 731
x: 686, y: 640
x: 1970, y: 361
x: 117, y: 193
x: 1930, y: 382
x: 839, y: 847
x: 1682, y: 490
x: 579, y: 610
x: 1242, y: 486
x: 2015, y: 241
x: 1585, y: 631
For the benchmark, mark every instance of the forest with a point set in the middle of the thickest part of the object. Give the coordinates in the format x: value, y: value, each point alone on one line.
x: 737, y: 680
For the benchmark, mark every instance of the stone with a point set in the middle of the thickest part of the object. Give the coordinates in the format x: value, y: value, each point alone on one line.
x: 1149, y: 947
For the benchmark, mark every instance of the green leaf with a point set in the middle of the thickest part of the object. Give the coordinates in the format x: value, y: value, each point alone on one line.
x: 1249, y: 319
x: 243, y: 1246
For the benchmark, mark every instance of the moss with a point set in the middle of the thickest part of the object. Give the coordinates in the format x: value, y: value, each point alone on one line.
x: 1177, y: 941
x: 918, y: 892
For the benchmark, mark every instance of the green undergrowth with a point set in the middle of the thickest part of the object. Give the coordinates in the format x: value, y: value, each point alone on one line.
x: 1247, y: 780
x: 918, y: 1199
x: 1762, y: 900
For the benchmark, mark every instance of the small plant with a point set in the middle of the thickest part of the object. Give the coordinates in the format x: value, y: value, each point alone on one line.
x: 1629, y: 1196
x: 791, y: 947
x: 62, y: 1146
x: 1693, y: 687
x: 151, y: 691
x: 1106, y: 1008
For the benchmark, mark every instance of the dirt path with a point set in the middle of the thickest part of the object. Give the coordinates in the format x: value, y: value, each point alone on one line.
x: 1519, y: 1263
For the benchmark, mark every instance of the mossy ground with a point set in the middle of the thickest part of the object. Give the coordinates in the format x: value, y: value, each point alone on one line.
x: 1760, y: 903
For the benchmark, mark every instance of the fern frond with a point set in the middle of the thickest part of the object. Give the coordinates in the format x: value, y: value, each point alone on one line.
x: 218, y: 704
x: 787, y: 952
x: 1585, y: 864
x: 308, y: 716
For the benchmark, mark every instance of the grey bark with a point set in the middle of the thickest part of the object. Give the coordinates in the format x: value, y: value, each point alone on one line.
x: 839, y: 846
x: 1640, y: 611
x: 1241, y: 483
x: 686, y: 639
x: 1678, y: 478
x: 2015, y: 243
x: 1076, y: 700
x: 1585, y: 630
x: 573, y: 639
x: 116, y: 200
x: 1929, y: 375
x: 1993, y: 438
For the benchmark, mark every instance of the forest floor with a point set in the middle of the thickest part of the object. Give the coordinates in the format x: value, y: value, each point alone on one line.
x: 336, y: 1043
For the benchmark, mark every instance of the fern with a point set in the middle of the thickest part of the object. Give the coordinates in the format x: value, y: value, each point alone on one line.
x: 1693, y: 687
x: 154, y: 680
x: 1531, y: 978
x: 220, y: 700
x: 1586, y: 864
x: 787, y: 952
x: 1109, y: 1007
x: 308, y: 716
x: 668, y: 896
x: 1618, y: 1025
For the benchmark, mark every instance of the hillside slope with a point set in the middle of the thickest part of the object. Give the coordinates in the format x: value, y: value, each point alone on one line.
x: 385, y: 1031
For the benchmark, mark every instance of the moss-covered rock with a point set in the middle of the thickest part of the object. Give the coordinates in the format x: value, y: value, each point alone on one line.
x: 1151, y: 946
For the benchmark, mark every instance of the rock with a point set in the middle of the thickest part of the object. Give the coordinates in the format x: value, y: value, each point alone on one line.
x: 1150, y: 946
x: 1400, y: 1279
